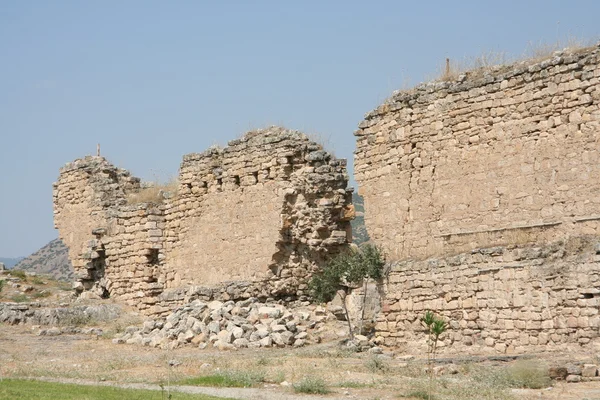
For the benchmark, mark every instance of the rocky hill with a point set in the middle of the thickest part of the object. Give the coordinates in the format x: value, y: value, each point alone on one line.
x: 52, y: 260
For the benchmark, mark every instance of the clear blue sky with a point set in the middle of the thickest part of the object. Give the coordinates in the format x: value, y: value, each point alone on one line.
x: 154, y: 80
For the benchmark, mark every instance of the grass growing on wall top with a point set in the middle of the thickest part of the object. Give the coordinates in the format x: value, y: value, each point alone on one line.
x: 154, y: 193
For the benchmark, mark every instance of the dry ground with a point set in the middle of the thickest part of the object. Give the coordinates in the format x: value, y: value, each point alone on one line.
x: 91, y: 359
x: 94, y: 359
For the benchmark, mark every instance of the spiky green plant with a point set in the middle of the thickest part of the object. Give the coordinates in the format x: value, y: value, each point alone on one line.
x: 435, y: 327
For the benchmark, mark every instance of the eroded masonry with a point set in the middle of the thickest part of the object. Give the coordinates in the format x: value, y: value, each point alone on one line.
x: 484, y: 191
x: 255, y: 218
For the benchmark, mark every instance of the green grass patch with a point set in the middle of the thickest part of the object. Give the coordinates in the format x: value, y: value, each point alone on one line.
x: 18, y: 273
x: 354, y: 384
x: 227, y: 379
x: 20, y: 298
x: 41, y: 295
x: 311, y: 385
x: 420, y: 394
x: 11, y: 389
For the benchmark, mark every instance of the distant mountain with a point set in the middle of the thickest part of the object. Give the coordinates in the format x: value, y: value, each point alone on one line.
x: 359, y: 230
x: 52, y: 259
x: 10, y: 262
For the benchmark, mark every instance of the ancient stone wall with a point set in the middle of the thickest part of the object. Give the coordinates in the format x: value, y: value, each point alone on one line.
x: 255, y: 218
x: 499, y: 299
x: 86, y: 197
x: 496, y: 156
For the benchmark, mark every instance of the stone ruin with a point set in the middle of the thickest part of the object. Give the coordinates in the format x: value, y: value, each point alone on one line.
x: 251, y: 220
x: 484, y: 192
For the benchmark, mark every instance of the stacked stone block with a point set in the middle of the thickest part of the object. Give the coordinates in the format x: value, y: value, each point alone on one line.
x: 496, y: 155
x: 499, y: 299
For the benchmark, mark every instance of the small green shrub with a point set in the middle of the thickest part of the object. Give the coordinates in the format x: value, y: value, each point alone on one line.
x: 2, y: 283
x: 377, y: 365
x: 311, y: 385
x: 262, y: 360
x: 349, y: 268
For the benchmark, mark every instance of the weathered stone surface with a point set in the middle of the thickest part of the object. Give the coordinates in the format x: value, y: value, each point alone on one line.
x: 480, y: 192
x: 589, y: 370
x: 502, y: 155
x: 273, y: 193
x: 506, y: 299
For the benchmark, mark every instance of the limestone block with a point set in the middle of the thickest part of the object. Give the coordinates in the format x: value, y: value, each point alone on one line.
x: 589, y: 370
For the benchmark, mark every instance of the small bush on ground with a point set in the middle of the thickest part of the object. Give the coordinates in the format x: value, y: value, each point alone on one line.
x: 311, y: 385
x: 527, y: 374
x: 377, y: 365
x: 1, y: 285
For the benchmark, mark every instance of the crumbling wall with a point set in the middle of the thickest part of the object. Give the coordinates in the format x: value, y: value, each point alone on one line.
x: 496, y: 156
x: 255, y: 218
x: 85, y: 197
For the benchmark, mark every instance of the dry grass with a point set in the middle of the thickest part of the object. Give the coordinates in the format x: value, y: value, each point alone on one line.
x: 154, y: 193
x: 534, y: 53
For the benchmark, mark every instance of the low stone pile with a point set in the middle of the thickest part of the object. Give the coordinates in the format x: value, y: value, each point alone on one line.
x: 575, y: 372
x: 64, y: 315
x: 228, y: 325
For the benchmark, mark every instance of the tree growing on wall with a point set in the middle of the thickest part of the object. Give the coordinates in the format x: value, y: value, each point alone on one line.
x: 348, y: 269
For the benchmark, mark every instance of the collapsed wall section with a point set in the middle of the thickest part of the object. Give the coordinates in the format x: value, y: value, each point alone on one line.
x: 86, y: 198
x: 255, y: 218
x: 498, y: 156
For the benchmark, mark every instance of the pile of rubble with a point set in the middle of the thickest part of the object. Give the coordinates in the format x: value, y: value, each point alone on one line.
x: 229, y: 325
